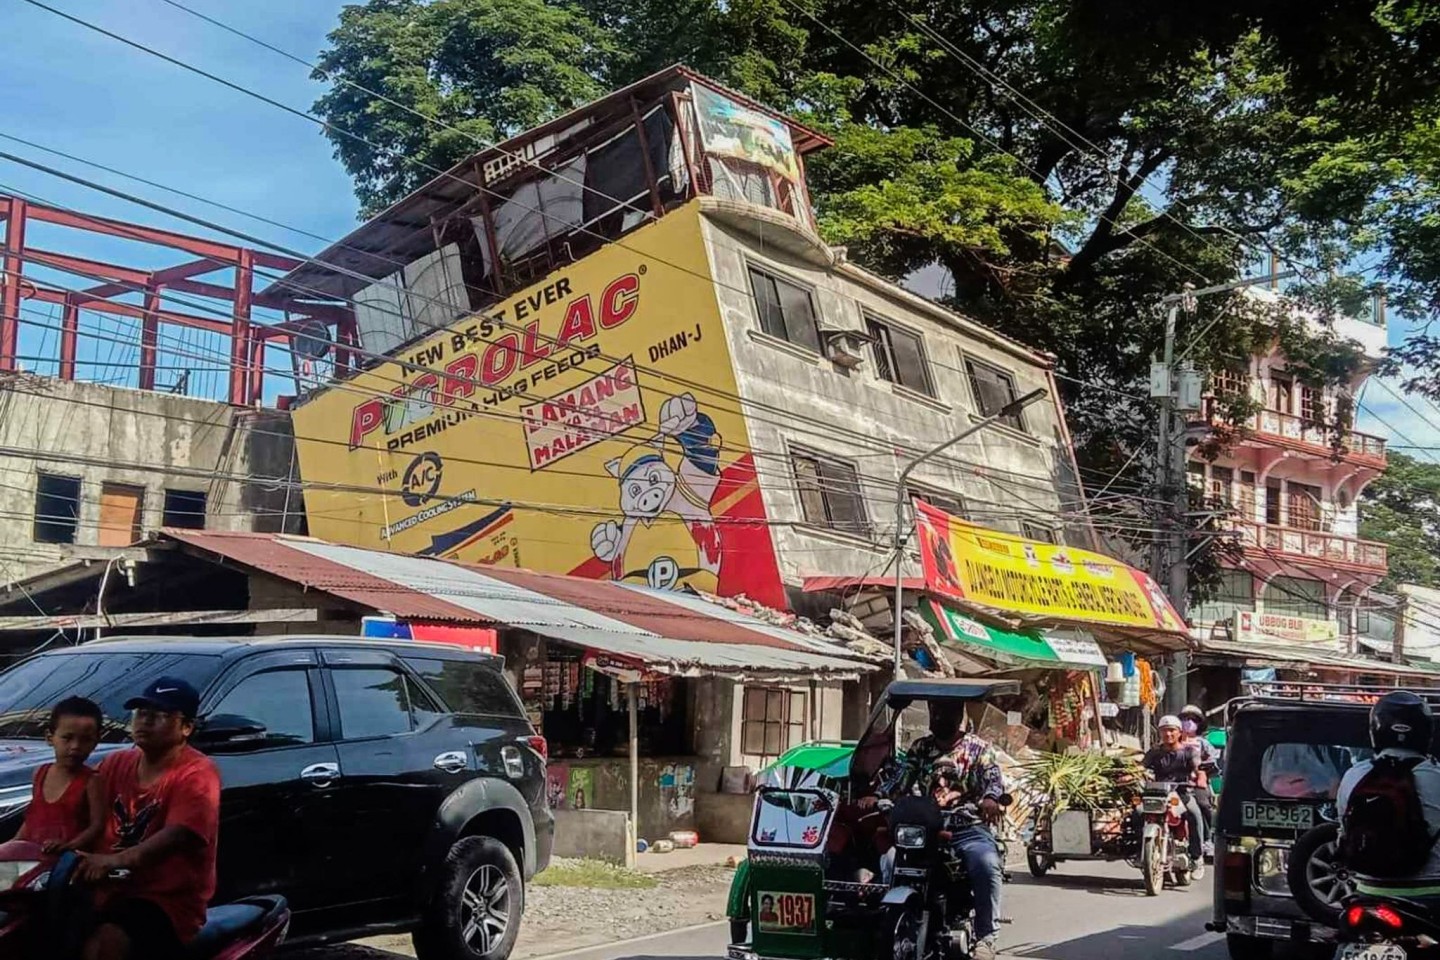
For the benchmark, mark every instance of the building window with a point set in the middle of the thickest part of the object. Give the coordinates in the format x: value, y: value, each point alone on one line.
x: 1302, y: 500
x: 1312, y: 405
x: 1245, y: 499
x: 57, y: 508
x: 122, y: 509
x: 900, y: 356
x: 1230, y: 383
x: 1235, y: 591
x: 185, y: 508
x: 1272, y: 502
x: 1218, y: 490
x: 1037, y: 531
x: 830, y: 493
x: 786, y: 310
x: 1296, y: 596
x: 993, y: 389
x: 1282, y: 394
x: 951, y: 503
x: 773, y: 721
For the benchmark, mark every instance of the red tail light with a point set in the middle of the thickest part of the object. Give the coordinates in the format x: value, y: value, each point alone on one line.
x: 1237, y: 875
x: 538, y: 744
x: 1389, y: 917
x: 1354, y: 915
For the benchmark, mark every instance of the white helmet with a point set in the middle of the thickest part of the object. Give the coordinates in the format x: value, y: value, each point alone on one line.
x: 1169, y: 720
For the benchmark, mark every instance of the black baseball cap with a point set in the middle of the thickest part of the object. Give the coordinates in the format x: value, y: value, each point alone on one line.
x: 170, y: 694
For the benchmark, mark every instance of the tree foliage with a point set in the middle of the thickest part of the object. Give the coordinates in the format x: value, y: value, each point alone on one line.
x: 1402, y: 509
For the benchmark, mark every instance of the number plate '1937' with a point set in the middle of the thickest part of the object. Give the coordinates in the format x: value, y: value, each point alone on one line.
x: 1281, y: 816
x: 785, y: 912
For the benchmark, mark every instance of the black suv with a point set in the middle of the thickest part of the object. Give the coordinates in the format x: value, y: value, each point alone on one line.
x: 379, y: 786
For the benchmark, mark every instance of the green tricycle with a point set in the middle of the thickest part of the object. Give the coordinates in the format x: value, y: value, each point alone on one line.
x: 826, y: 814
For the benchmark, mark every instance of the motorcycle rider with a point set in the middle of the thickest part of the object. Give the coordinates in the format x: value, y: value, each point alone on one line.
x: 162, y: 803
x: 1192, y: 730
x: 971, y: 776
x: 1401, y: 726
x: 1173, y: 761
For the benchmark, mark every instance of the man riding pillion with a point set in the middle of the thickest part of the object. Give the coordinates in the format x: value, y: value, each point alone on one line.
x: 155, y: 871
x: 959, y: 768
x: 1173, y: 761
x: 1389, y: 806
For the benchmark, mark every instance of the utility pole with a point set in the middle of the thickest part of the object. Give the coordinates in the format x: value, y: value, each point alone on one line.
x: 1178, y: 391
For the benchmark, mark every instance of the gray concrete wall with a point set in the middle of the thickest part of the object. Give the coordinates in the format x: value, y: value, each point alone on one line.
x: 601, y: 834
x: 152, y: 440
x: 800, y: 399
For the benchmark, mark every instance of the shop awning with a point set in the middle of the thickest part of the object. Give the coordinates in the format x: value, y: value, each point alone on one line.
x: 1026, y: 648
x: 1295, y: 656
x: 668, y: 632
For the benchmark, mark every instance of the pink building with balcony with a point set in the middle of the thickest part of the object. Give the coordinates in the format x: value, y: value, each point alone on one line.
x: 1288, y: 486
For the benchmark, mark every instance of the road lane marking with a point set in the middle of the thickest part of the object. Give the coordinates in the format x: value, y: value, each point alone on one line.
x: 1198, y: 942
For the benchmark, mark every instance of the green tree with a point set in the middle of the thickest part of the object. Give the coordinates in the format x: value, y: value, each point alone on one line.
x: 1402, y: 509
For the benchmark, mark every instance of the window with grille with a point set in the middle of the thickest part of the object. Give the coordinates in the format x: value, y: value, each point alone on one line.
x: 1312, y: 405
x: 1229, y: 383
x: 900, y: 356
x: 1282, y: 394
x: 829, y: 492
x: 57, y: 508
x: 993, y: 389
x: 786, y: 309
x: 772, y: 721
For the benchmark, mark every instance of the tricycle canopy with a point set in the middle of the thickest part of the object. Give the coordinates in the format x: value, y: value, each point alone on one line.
x: 878, y: 743
x: 821, y: 763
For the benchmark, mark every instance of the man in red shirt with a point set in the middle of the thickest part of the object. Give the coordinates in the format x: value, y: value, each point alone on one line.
x: 162, y: 808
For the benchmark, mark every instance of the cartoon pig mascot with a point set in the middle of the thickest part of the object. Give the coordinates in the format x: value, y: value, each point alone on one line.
x: 657, y: 497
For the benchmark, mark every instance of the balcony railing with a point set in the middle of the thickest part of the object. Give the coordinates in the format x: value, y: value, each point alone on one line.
x: 1312, y: 544
x: 1274, y: 423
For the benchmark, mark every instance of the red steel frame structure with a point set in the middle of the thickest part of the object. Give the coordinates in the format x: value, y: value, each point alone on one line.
x: 199, y: 256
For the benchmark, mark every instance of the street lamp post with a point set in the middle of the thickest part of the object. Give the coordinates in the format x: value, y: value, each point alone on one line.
x: 1009, y: 410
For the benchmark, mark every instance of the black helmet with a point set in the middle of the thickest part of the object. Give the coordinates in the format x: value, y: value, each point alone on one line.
x: 1401, y: 719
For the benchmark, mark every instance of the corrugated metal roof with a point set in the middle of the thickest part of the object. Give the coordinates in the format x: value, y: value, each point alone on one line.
x: 671, y: 632
x: 1278, y: 653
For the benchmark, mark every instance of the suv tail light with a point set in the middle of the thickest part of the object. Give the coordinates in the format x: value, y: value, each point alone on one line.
x: 1237, y: 875
x: 538, y: 744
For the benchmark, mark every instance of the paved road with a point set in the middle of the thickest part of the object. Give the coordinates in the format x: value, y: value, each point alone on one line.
x: 1083, y: 912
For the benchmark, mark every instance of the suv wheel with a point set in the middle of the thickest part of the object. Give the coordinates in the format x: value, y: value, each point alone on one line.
x: 477, y: 909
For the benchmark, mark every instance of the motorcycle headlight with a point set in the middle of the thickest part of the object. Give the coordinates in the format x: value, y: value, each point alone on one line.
x: 910, y: 836
x: 1153, y: 805
x: 12, y: 870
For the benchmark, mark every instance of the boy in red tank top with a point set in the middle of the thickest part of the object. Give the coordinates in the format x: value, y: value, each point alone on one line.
x: 65, y: 806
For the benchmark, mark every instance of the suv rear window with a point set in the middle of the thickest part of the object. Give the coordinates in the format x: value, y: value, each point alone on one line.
x: 1307, y: 771
x: 28, y: 690
x: 467, y: 686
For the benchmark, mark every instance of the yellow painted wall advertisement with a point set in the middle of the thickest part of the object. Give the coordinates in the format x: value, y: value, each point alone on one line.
x: 971, y: 563
x: 588, y: 425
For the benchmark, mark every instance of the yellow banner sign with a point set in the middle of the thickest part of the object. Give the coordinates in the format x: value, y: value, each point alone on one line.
x: 587, y: 425
x: 971, y: 563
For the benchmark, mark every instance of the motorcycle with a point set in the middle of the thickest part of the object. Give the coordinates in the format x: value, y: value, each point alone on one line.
x: 35, y: 895
x: 1165, y: 837
x: 930, y: 901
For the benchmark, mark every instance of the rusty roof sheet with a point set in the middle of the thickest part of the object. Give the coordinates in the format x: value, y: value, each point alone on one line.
x: 671, y: 632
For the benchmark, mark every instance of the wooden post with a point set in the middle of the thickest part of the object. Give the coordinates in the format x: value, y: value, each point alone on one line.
x: 634, y: 762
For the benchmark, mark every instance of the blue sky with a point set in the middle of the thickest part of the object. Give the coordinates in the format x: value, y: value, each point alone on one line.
x: 74, y: 90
